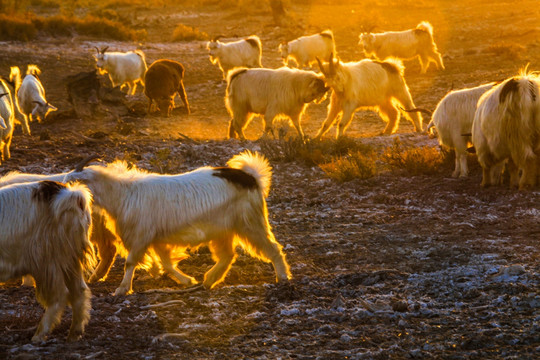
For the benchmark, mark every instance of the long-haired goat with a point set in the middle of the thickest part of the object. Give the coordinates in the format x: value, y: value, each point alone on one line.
x: 7, y: 114
x: 506, y: 126
x: 222, y: 207
x: 404, y: 45
x: 453, y: 118
x: 306, y: 49
x: 366, y: 84
x: 242, y: 53
x: 270, y: 93
x: 103, y: 231
x: 31, y: 95
x: 163, y: 81
x: 45, y: 228
x: 123, y: 68
x: 15, y: 83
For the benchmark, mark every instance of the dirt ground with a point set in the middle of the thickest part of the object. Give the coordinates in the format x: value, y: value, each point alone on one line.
x: 393, y: 267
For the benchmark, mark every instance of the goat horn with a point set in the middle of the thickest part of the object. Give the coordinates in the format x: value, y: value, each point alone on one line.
x: 98, y: 51
x: 80, y: 166
x: 418, y: 110
x: 38, y: 102
x: 104, y: 49
x: 321, y: 66
x: 4, y: 94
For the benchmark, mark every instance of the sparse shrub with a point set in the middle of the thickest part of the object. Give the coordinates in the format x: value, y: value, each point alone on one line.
x: 416, y: 161
x: 16, y: 28
x: 510, y: 51
x: 188, y: 33
x: 353, y: 166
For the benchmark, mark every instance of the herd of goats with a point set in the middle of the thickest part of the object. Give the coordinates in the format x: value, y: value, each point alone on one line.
x: 153, y: 218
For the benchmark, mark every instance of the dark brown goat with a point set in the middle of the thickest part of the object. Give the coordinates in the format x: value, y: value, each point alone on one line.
x: 163, y: 80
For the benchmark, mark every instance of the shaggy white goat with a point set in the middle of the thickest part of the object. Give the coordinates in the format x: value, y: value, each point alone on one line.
x: 103, y: 232
x: 306, y: 49
x: 123, y: 68
x: 7, y: 114
x: 366, y: 84
x: 404, y: 45
x: 45, y: 228
x: 242, y: 53
x: 31, y: 95
x: 222, y: 207
x: 453, y: 118
x: 506, y: 126
x: 272, y: 93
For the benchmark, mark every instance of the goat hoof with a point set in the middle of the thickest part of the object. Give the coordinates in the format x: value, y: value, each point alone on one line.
x: 121, y: 291
x: 74, y: 336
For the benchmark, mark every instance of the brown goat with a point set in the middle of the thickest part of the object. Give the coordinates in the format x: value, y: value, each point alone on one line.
x: 163, y: 80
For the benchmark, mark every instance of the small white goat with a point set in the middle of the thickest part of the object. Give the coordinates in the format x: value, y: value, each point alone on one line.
x: 506, y: 126
x: 453, y: 118
x: 272, y: 93
x: 31, y: 95
x: 366, y: 84
x: 242, y: 53
x: 404, y: 45
x: 306, y: 49
x: 123, y: 68
x: 7, y: 114
x: 223, y: 207
x: 45, y: 228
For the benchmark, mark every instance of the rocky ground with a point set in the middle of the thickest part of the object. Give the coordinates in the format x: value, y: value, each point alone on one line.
x: 395, y: 266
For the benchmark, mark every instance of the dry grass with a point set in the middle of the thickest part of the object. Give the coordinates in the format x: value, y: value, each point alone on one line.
x: 25, y: 28
x: 353, y: 166
x: 188, y: 33
x: 415, y: 161
x: 508, y: 51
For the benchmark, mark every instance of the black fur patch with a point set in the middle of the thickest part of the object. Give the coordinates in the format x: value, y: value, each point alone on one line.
x: 389, y: 67
x: 532, y: 89
x: 510, y: 87
x: 237, y: 177
x: 326, y: 35
x: 236, y: 73
x: 252, y: 42
x: 47, y: 190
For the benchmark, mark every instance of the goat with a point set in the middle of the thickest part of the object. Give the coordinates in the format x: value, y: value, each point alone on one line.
x: 242, y: 53
x: 31, y: 95
x: 7, y: 114
x: 14, y: 83
x: 404, y: 45
x: 223, y: 207
x: 163, y: 81
x: 45, y: 228
x: 103, y: 233
x: 305, y: 50
x: 506, y: 127
x: 269, y: 92
x: 453, y: 118
x: 123, y: 68
x: 366, y: 84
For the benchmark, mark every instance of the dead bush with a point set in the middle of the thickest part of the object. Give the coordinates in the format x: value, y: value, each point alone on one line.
x: 415, y: 160
x: 509, y: 51
x: 352, y: 166
x: 187, y: 33
x: 16, y: 28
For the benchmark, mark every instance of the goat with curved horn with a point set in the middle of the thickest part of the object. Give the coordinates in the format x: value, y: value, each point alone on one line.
x: 80, y: 166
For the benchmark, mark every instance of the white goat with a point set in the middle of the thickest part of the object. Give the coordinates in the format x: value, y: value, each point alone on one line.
x: 272, y: 93
x: 223, y: 207
x: 242, y: 53
x: 306, y: 49
x: 31, y: 95
x: 123, y: 68
x: 404, y: 45
x: 103, y: 229
x: 506, y: 126
x: 366, y: 84
x: 45, y: 228
x: 7, y: 114
x: 453, y: 118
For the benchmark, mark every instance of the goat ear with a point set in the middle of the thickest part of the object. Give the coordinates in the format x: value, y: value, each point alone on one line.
x: 2, y: 95
x: 52, y: 107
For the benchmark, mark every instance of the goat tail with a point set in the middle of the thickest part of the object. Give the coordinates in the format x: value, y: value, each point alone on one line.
x: 15, y: 77
x: 33, y: 70
x: 425, y: 26
x: 256, y: 165
x: 72, y: 210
